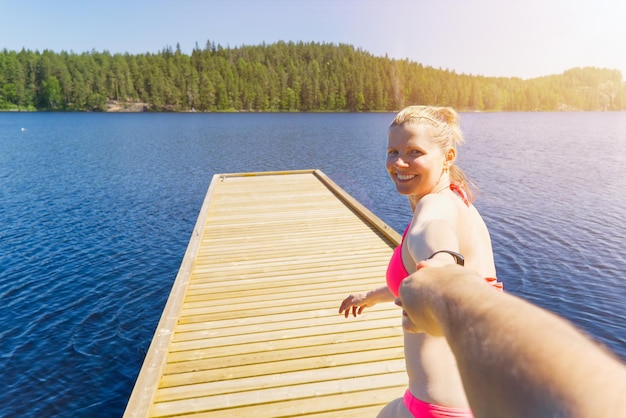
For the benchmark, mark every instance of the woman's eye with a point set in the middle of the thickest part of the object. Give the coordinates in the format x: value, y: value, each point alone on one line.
x: 392, y: 153
x: 415, y: 153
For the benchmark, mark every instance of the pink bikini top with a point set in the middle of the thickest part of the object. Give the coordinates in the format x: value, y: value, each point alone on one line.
x: 396, y: 272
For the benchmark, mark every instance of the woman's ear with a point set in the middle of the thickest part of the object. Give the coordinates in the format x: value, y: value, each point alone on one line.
x: 450, y: 157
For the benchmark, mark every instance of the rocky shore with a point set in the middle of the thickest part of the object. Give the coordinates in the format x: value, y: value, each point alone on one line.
x: 116, y: 106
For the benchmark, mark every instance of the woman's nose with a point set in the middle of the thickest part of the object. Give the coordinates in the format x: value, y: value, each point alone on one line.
x: 400, y: 162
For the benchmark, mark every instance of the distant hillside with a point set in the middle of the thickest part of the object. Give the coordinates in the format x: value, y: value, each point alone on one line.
x: 285, y: 76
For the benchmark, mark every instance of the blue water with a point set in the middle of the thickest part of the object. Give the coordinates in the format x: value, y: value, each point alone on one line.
x: 96, y: 211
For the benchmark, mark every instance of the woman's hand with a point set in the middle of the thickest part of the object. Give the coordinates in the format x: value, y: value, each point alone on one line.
x: 356, y: 303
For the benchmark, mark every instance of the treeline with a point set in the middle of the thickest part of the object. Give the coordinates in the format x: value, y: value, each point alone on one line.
x: 285, y: 76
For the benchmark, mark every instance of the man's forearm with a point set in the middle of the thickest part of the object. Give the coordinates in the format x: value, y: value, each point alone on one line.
x: 516, y: 359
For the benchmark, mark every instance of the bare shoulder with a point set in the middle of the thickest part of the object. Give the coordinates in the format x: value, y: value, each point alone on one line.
x: 435, y: 206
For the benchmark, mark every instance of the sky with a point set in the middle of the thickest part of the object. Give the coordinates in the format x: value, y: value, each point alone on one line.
x: 500, y: 38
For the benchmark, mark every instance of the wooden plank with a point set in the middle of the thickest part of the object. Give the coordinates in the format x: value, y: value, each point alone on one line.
x: 361, y: 404
x: 318, y: 395
x: 251, y: 327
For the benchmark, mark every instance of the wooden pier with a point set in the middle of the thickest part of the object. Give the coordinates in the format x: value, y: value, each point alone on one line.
x: 251, y: 327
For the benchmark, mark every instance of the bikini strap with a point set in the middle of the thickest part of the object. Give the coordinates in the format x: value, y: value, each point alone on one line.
x: 455, y: 187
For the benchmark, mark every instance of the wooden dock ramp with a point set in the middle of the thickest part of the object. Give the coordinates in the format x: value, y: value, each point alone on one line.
x: 251, y: 327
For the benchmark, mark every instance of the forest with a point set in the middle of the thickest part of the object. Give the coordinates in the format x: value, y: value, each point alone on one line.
x: 281, y: 77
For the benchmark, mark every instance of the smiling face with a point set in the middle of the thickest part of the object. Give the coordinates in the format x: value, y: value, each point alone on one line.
x: 415, y: 162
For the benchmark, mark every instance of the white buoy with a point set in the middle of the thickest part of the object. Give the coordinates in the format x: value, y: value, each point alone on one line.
x: 23, y: 129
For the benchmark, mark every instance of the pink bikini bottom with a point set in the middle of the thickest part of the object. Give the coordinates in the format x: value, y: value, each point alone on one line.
x: 423, y: 409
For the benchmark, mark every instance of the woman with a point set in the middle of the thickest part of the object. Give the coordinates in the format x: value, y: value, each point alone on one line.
x: 446, y: 228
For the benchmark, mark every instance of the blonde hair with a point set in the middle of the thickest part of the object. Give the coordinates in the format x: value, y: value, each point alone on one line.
x: 447, y: 134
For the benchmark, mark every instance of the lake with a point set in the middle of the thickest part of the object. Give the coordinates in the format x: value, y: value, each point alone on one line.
x: 97, y: 210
